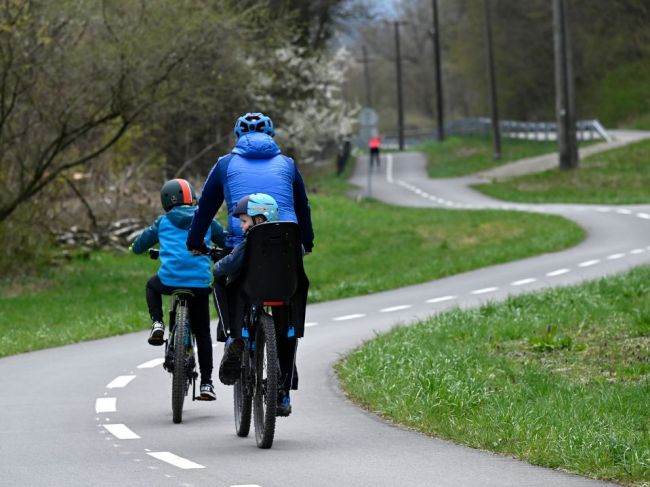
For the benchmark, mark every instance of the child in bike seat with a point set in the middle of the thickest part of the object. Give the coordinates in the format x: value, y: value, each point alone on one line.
x: 252, y: 210
x: 180, y: 269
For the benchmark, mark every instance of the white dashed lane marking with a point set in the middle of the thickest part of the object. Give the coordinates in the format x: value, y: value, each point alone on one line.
x: 645, y: 216
x: 120, y: 381
x: 395, y: 308
x: 615, y: 256
x: 121, y: 431
x: 485, y: 290
x: 523, y: 281
x: 307, y: 325
x: 558, y: 272
x: 106, y: 405
x: 624, y: 211
x: 636, y: 251
x: 174, y: 460
x: 151, y: 363
x: 441, y: 299
x: 589, y: 263
x: 349, y: 317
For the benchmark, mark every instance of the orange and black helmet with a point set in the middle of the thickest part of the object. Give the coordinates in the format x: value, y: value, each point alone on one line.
x: 177, y: 192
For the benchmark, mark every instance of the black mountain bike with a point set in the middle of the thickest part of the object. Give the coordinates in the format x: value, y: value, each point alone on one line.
x: 270, y: 275
x: 256, y: 391
x: 180, y: 349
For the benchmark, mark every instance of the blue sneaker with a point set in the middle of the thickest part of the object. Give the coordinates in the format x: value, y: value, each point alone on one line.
x: 284, y: 405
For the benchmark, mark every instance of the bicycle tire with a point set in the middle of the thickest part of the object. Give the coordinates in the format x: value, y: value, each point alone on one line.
x: 266, y: 385
x: 179, y: 378
x: 243, y: 397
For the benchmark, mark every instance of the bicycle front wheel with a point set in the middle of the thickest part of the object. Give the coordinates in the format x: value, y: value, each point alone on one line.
x: 179, y: 378
x: 243, y: 397
x: 266, y: 381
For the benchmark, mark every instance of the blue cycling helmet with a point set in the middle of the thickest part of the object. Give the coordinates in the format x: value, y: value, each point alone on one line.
x: 257, y: 204
x: 254, y: 122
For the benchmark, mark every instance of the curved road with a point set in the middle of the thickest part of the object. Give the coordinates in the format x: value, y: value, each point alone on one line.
x: 98, y: 413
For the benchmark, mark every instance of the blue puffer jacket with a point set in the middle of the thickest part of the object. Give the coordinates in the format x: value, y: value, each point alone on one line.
x: 255, y: 165
x: 179, y: 267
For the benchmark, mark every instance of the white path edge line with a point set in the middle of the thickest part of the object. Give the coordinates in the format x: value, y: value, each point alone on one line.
x: 349, y: 317
x: 521, y: 282
x: 106, y: 404
x: 615, y: 256
x: 174, y: 460
x: 441, y: 299
x: 120, y: 381
x: 484, y: 290
x: 313, y: 323
x: 151, y: 363
x: 588, y: 263
x: 558, y: 272
x: 121, y: 431
x: 395, y: 308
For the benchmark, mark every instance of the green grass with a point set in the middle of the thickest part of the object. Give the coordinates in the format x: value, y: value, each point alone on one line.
x: 559, y: 378
x: 82, y: 299
x: 360, y: 248
x: 618, y: 176
x: 459, y: 156
x: 368, y: 246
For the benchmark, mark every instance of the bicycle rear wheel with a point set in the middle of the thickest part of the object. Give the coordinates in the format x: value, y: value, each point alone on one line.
x: 266, y: 381
x: 243, y: 397
x: 179, y: 379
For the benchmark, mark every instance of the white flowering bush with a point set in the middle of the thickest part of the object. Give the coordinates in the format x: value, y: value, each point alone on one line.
x: 302, y: 93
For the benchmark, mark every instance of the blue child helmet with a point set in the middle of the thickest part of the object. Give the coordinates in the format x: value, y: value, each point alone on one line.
x: 254, y: 122
x: 257, y: 204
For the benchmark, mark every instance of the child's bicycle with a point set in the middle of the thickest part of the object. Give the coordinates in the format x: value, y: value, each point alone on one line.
x: 270, y: 276
x: 180, y: 349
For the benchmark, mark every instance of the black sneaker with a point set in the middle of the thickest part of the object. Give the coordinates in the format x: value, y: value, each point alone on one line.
x: 157, y: 333
x: 230, y: 366
x: 284, y: 405
x: 207, y: 392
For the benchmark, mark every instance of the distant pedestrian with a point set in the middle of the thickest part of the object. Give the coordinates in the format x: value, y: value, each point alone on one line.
x: 374, y: 144
x: 343, y: 155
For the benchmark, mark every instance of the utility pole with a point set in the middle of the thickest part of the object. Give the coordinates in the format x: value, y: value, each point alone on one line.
x: 438, y: 75
x: 496, y: 133
x: 564, y: 88
x: 366, y: 75
x: 400, y: 103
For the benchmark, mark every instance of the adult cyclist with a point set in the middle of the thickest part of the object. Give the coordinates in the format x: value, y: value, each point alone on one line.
x: 255, y: 165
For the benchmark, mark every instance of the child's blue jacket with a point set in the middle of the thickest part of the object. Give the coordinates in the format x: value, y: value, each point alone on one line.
x: 178, y: 266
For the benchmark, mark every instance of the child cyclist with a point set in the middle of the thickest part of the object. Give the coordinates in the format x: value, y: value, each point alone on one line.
x: 252, y: 210
x: 181, y: 269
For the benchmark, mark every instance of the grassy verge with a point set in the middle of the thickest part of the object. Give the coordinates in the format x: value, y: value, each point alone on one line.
x: 459, y: 156
x: 618, y: 176
x: 559, y: 378
x: 369, y: 246
x: 361, y: 247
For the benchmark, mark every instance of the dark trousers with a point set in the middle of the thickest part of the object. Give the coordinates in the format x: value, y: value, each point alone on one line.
x: 199, y: 319
x: 286, y: 349
x: 374, y: 157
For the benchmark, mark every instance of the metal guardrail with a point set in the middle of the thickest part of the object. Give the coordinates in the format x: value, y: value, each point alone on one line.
x: 585, y: 130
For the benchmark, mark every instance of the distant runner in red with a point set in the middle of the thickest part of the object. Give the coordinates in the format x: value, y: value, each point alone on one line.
x: 374, y: 144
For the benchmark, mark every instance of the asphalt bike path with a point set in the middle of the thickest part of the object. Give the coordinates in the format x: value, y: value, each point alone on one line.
x: 99, y: 413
